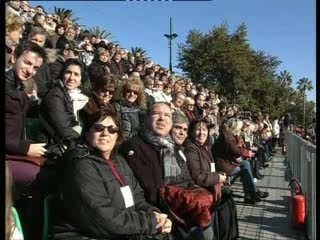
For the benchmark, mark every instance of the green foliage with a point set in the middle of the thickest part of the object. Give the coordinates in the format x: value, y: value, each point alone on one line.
x: 226, y: 62
x: 139, y: 54
x: 63, y: 13
x: 100, y: 32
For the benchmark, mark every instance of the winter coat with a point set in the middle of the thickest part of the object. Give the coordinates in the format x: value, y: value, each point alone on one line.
x: 199, y: 160
x: 96, y: 69
x: 57, y: 115
x: 92, y: 205
x: 190, y: 115
x: 226, y: 152
x: 17, y: 105
x: 117, y: 68
x: 147, y: 165
x: 43, y: 80
x: 131, y: 117
x: 56, y: 68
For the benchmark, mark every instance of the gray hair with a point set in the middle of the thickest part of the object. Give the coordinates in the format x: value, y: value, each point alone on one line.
x: 37, y: 30
x: 180, y: 118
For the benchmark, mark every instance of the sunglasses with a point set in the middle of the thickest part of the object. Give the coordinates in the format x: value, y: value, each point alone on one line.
x: 107, y: 91
x: 100, y: 127
x: 32, y: 12
x: 132, y: 91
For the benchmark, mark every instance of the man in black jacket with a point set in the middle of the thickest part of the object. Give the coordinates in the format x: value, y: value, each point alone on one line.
x: 28, y: 59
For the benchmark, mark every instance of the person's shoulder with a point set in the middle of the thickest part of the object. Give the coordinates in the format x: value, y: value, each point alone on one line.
x: 188, y: 144
x: 130, y: 145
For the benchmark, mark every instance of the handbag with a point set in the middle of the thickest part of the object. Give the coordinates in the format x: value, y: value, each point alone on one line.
x: 190, y: 206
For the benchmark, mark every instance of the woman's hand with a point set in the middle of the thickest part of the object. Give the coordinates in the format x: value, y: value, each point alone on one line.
x: 36, y: 149
x: 164, y: 223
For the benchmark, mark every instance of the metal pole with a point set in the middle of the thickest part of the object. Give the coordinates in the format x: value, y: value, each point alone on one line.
x: 170, y: 37
x: 170, y: 48
x: 304, y: 108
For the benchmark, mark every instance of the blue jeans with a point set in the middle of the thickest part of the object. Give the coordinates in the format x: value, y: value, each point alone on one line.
x: 244, y: 170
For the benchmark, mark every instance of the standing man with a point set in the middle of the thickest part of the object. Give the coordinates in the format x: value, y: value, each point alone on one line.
x: 28, y: 58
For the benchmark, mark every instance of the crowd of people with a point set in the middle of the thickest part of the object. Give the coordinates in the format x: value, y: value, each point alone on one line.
x: 126, y: 127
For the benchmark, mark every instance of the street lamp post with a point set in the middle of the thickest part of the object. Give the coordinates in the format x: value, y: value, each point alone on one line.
x: 170, y: 37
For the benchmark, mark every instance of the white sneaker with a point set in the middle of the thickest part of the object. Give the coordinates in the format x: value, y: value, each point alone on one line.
x: 255, y: 180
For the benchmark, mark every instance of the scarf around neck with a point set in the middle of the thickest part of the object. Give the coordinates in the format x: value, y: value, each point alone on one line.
x: 172, y: 170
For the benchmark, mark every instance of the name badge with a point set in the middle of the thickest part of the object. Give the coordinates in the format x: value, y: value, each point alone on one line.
x: 127, y: 196
x: 182, y: 155
x: 213, y: 167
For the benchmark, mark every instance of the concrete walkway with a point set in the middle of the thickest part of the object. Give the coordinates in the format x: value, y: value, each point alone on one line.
x: 270, y: 218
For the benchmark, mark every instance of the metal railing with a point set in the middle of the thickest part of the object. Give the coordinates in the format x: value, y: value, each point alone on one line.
x: 301, y: 156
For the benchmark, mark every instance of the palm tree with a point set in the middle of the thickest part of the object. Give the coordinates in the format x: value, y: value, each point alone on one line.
x: 63, y: 13
x: 304, y: 84
x: 285, y: 78
x: 101, y: 33
x: 139, y: 53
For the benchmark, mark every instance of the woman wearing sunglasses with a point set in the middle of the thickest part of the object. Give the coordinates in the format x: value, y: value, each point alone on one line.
x: 101, y: 96
x: 131, y: 106
x: 101, y: 197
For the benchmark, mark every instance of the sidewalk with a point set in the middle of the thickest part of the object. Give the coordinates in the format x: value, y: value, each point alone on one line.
x: 270, y: 218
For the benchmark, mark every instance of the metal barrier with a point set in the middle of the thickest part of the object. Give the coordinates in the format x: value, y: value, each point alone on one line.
x: 301, y: 156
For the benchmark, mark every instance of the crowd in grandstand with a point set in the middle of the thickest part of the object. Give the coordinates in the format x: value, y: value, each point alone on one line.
x: 120, y: 121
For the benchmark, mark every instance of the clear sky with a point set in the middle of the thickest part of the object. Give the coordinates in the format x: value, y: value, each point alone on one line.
x: 282, y: 28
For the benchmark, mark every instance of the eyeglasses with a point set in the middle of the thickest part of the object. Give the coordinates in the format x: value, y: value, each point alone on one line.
x: 132, y: 91
x: 100, y: 127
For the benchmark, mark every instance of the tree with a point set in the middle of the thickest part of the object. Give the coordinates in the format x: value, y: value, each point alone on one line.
x: 139, y: 54
x: 63, y: 14
x: 226, y: 62
x: 285, y: 78
x: 100, y: 32
x: 304, y: 84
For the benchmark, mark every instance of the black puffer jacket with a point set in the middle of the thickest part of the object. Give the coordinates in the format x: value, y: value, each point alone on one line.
x: 92, y: 206
x: 57, y: 117
x: 17, y: 105
x: 131, y: 117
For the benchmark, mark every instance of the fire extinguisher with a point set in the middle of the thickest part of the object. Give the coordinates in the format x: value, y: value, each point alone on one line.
x: 298, y: 204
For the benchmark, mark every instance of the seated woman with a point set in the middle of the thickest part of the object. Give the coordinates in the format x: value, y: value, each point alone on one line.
x: 131, y: 106
x: 228, y: 155
x: 56, y: 109
x: 199, y: 158
x: 101, y: 96
x: 101, y: 197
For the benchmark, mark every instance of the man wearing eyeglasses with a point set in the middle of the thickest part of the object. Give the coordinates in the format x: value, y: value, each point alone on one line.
x: 155, y: 156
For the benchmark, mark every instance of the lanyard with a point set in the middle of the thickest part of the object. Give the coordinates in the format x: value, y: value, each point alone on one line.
x: 115, y: 172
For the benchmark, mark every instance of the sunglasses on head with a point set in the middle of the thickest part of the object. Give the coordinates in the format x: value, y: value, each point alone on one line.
x: 98, y: 127
x: 132, y: 91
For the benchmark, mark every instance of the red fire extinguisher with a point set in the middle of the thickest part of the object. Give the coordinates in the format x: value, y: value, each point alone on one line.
x: 298, y: 204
